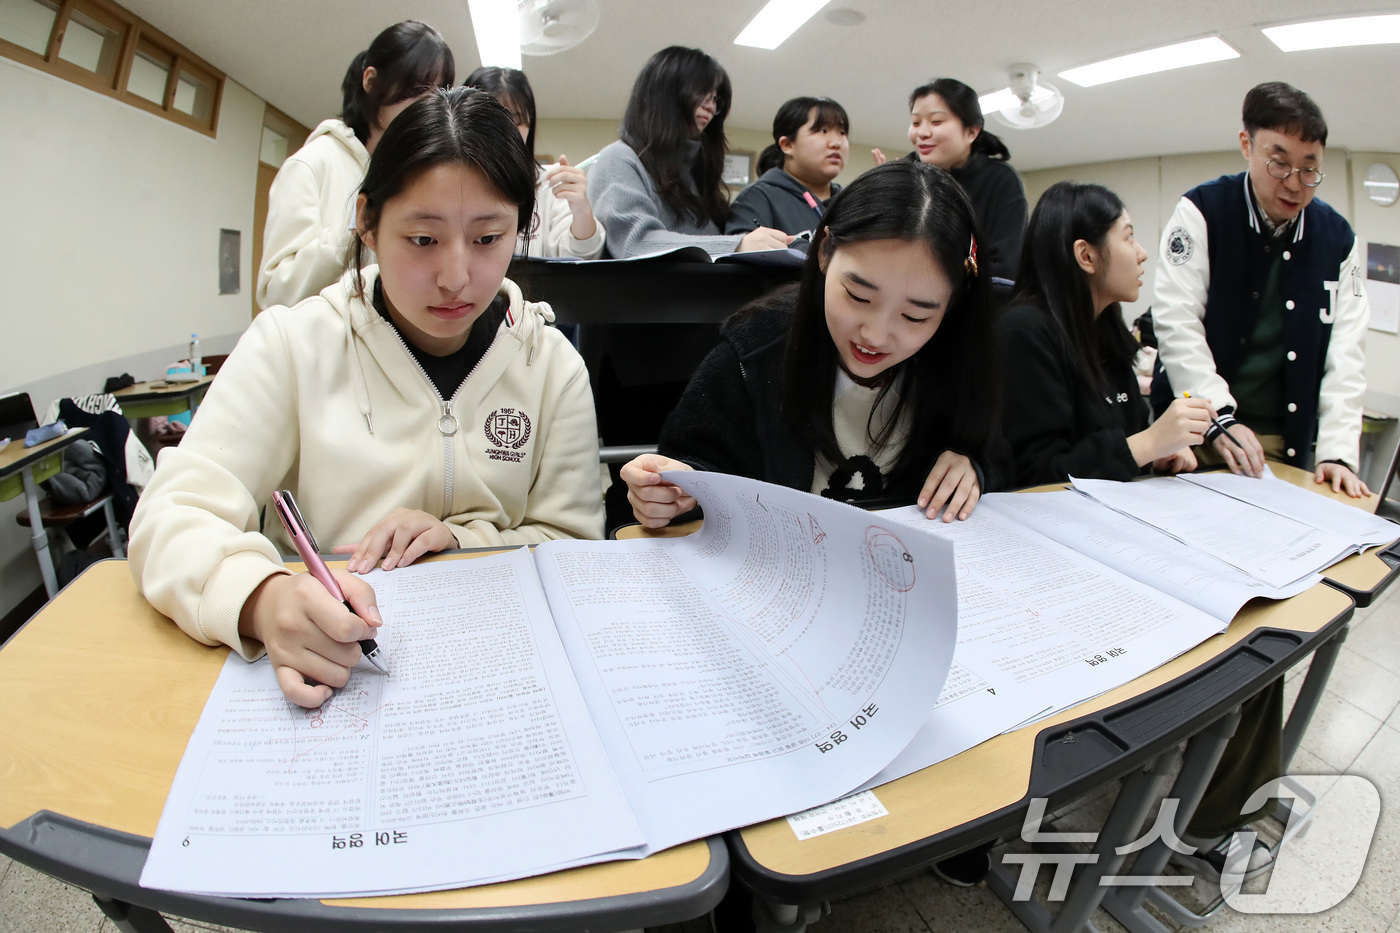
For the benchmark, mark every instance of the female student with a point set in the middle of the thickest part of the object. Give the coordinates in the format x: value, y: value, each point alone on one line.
x: 310, y: 209
x: 660, y: 187
x: 1072, y: 402
x: 855, y: 383
x: 797, y: 172
x: 947, y: 129
x: 563, y: 224
x: 415, y: 406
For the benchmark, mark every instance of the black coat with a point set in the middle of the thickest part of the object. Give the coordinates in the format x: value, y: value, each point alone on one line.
x: 1056, y: 423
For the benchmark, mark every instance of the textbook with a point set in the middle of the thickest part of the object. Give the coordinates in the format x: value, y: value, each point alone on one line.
x: 791, y: 257
x: 591, y: 700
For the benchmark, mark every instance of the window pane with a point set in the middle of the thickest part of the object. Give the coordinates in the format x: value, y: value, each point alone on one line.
x: 28, y: 23
x: 194, y: 96
x: 90, y: 44
x: 274, y: 147
x: 148, y: 78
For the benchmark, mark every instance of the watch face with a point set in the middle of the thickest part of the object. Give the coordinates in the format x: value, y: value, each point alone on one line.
x: 1382, y: 185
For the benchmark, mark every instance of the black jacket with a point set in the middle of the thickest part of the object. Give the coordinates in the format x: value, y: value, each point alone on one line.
x: 1000, y: 202
x: 731, y: 419
x: 1056, y: 423
x: 776, y: 200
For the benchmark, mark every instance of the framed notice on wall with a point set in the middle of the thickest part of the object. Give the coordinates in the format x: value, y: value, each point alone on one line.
x: 1383, y: 286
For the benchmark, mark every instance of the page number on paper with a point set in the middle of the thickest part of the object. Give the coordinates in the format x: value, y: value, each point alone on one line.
x: 848, y: 811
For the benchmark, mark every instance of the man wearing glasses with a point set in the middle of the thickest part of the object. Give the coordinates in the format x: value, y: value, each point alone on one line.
x: 1259, y: 305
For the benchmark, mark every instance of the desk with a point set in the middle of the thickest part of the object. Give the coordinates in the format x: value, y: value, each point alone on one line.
x: 87, y: 760
x: 34, y: 465
x: 153, y: 398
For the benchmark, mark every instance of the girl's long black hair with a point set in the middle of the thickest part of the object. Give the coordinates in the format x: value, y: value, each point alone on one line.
x: 962, y: 103
x: 951, y: 386
x: 459, y: 126
x: 792, y: 116
x: 660, y: 121
x: 512, y: 88
x: 407, y: 58
x: 1050, y: 275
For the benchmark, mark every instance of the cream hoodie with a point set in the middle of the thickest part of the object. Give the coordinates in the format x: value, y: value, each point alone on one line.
x: 325, y: 399
x: 309, y: 213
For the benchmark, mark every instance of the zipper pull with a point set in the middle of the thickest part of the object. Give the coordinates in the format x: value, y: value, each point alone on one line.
x: 447, y: 424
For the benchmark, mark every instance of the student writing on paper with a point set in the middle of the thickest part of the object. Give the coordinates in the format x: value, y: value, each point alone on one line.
x: 797, y: 172
x: 660, y: 186
x: 1072, y: 402
x: 563, y: 224
x: 310, y: 208
x: 420, y: 404
x: 873, y: 377
x: 1260, y: 305
x: 947, y: 129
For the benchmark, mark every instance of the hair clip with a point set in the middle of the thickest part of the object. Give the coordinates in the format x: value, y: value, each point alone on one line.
x: 970, y: 263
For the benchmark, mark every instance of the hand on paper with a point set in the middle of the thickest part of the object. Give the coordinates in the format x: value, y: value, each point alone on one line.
x: 571, y: 184
x: 1250, y: 460
x: 952, y: 483
x: 763, y: 238
x: 654, y: 502
x: 1183, y: 424
x: 402, y: 538
x: 308, y: 633
x: 879, y: 156
x: 1342, y: 479
x: 1183, y: 461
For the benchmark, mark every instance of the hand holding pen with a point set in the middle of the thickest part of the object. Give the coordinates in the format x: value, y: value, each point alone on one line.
x: 1237, y: 445
x: 312, y: 637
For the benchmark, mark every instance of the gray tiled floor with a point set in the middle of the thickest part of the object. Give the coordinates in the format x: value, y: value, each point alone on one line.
x: 1356, y: 731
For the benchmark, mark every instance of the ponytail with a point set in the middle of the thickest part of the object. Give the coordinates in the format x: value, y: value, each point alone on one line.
x: 408, y: 58
x: 771, y: 157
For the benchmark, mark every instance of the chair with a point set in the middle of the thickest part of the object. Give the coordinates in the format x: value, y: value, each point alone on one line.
x: 55, y: 515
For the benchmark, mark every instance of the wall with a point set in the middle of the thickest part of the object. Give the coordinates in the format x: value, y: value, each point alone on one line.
x: 110, y: 252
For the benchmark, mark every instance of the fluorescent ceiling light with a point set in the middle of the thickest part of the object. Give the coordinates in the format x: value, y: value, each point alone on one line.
x: 1006, y: 98
x: 497, y: 29
x: 1333, y: 33
x: 776, y: 21
x: 1195, y: 52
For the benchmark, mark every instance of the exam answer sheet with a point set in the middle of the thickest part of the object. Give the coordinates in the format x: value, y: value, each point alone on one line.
x: 594, y: 700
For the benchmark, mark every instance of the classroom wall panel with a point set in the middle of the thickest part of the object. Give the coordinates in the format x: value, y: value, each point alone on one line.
x: 110, y: 252
x: 1376, y: 224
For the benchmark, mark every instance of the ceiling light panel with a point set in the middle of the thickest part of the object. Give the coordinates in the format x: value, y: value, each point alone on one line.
x: 1335, y: 33
x: 776, y: 21
x: 497, y: 28
x: 1168, y: 57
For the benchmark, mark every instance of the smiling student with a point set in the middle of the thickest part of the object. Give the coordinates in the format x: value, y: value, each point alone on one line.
x: 660, y: 186
x: 1260, y: 305
x: 947, y: 129
x: 1072, y: 402
x: 310, y: 207
x: 418, y: 405
x: 797, y: 172
x: 842, y: 385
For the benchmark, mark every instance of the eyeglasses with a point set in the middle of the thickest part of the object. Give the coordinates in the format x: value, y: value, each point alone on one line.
x: 1310, y: 177
x: 709, y: 100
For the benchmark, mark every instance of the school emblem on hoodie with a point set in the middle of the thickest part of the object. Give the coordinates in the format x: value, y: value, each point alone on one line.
x: 508, y: 430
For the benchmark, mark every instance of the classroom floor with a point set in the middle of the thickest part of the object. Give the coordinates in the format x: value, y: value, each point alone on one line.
x: 1356, y: 730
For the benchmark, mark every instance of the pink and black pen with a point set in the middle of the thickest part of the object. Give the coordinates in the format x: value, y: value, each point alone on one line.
x: 305, y: 542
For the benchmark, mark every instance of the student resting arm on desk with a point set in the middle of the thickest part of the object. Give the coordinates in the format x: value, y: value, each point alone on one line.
x: 563, y: 224
x: 858, y: 383
x: 797, y: 172
x: 310, y: 208
x: 660, y: 186
x: 418, y: 405
x: 1072, y: 402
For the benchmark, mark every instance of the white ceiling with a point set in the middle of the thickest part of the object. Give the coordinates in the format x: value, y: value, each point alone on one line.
x: 293, y: 53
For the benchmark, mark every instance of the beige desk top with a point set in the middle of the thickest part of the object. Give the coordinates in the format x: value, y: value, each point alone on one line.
x: 159, y: 388
x: 15, y: 455
x: 100, y: 694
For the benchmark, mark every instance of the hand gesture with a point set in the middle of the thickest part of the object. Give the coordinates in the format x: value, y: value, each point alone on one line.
x: 879, y: 156
x: 308, y: 634
x: 952, y: 483
x: 654, y: 501
x: 1183, y: 424
x: 1247, y: 456
x: 763, y: 238
x: 400, y: 539
x: 571, y: 184
x: 1342, y: 479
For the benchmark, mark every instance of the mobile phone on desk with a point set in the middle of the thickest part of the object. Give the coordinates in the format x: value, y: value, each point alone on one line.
x: 305, y: 542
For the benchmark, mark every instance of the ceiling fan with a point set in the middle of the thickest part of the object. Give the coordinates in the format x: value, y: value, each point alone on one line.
x: 1036, y: 104
x: 548, y: 27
